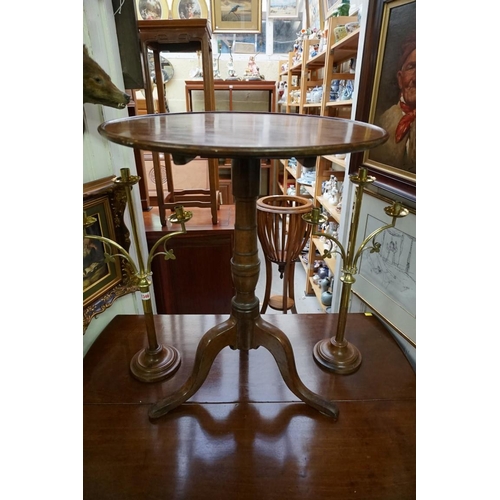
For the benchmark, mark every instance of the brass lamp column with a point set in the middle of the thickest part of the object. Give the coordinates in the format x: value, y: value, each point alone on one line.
x: 337, y: 354
x: 156, y: 361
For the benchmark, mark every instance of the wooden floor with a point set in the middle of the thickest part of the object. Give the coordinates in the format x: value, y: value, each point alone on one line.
x: 244, y: 435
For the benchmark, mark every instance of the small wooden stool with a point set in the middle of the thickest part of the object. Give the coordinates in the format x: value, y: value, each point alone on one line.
x: 282, y: 234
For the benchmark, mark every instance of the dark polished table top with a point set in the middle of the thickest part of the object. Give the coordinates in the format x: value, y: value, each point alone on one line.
x: 242, y: 134
x: 243, y: 435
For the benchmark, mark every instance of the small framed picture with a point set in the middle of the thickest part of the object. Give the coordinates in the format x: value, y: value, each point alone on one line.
x: 189, y: 9
x: 243, y: 16
x: 150, y: 10
x: 282, y: 9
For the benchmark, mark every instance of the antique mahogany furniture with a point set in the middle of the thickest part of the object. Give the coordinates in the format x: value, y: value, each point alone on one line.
x: 199, y: 280
x: 179, y: 35
x: 244, y: 137
x: 244, y: 435
x: 231, y: 87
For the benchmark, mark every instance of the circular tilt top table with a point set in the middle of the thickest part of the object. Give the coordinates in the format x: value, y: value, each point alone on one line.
x: 245, y: 138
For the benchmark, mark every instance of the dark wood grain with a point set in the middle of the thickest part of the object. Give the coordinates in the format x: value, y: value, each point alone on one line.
x: 244, y: 435
x: 199, y: 280
x: 242, y: 134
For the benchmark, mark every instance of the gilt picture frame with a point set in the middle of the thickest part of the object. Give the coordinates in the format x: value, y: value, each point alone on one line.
x: 152, y: 10
x: 234, y: 17
x: 104, y: 280
x: 282, y: 9
x: 189, y: 9
x: 391, y: 25
x: 386, y: 280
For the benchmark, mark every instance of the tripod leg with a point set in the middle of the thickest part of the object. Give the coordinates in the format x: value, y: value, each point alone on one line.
x: 277, y: 343
x: 210, y: 345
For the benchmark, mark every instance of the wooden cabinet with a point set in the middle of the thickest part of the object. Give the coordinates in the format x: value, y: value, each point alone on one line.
x: 310, y: 91
x: 199, y: 280
x: 230, y: 89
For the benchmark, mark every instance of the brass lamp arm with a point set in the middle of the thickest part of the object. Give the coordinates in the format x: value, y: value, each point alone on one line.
x: 168, y: 253
x: 374, y: 248
x: 328, y: 253
x: 396, y: 211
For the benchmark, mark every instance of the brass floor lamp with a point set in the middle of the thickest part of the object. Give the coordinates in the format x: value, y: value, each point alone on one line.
x: 337, y: 354
x: 155, y: 362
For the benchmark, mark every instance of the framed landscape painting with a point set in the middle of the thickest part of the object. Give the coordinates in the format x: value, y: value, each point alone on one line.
x: 282, y: 9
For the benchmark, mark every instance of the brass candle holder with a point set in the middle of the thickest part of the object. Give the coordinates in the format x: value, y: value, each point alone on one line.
x: 155, y: 362
x: 337, y: 354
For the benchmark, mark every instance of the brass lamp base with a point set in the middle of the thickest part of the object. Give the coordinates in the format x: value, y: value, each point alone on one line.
x: 153, y: 366
x: 339, y: 357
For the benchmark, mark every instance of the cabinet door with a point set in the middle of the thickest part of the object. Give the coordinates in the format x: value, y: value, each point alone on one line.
x: 199, y: 280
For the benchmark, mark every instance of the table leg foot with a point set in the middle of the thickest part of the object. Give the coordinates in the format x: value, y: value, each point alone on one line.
x: 210, y: 345
x: 277, y: 343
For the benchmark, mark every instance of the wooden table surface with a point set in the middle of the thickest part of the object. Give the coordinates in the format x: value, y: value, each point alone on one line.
x: 242, y: 135
x: 244, y: 435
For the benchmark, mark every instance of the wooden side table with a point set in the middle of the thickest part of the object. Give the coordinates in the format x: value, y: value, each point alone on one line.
x: 232, y: 86
x: 179, y: 35
x: 246, y: 138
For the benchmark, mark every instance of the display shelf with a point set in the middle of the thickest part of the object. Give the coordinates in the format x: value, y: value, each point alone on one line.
x: 309, y: 189
x: 317, y: 291
x: 331, y: 209
x: 333, y: 63
x: 339, y: 103
x: 311, y: 76
x: 338, y: 161
x: 329, y: 261
x: 303, y: 261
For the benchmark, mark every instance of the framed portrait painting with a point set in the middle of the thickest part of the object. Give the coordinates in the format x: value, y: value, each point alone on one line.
x: 189, y: 9
x: 387, y: 95
x: 150, y: 10
x: 231, y: 17
x: 386, y: 280
x: 104, y: 279
x: 282, y: 9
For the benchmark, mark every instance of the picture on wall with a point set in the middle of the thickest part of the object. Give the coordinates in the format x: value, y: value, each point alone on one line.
x: 329, y: 6
x: 232, y: 17
x: 315, y: 15
x: 282, y: 9
x: 150, y: 10
x: 189, y: 9
x: 386, y: 280
x: 387, y: 93
x: 104, y: 279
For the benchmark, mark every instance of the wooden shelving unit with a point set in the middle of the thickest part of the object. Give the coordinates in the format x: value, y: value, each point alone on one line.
x: 333, y: 63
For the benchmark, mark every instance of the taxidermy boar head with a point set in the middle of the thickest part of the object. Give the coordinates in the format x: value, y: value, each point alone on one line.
x: 98, y: 87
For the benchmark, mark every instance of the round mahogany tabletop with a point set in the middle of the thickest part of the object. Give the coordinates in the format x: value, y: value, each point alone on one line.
x: 220, y: 134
